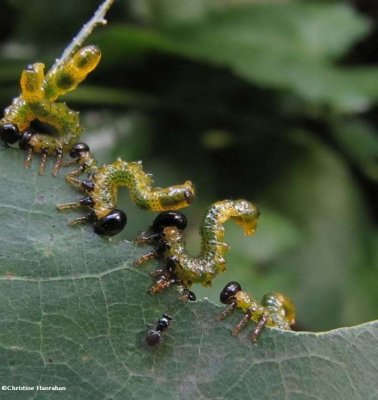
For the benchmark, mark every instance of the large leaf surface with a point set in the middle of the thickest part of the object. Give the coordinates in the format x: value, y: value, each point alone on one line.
x: 74, y: 313
x: 292, y: 46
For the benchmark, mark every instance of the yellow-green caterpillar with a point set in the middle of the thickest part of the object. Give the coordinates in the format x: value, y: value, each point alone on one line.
x: 37, y: 102
x: 102, y: 185
x: 167, y: 236
x: 276, y: 310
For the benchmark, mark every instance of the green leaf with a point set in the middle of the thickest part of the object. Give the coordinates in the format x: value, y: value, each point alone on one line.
x: 90, y: 94
x: 359, y: 141
x: 74, y: 312
x: 291, y: 45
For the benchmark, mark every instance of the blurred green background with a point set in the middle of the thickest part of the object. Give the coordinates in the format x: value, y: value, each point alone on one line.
x: 272, y: 101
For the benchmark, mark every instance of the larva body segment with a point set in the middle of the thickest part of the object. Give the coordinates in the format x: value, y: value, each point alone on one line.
x: 276, y: 310
x: 281, y: 310
x: 109, y: 177
x: 167, y: 236
x: 68, y: 76
x: 37, y: 103
x: 101, y: 189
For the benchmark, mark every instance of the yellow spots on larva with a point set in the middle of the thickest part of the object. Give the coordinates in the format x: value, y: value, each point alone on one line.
x: 65, y: 78
x: 31, y: 83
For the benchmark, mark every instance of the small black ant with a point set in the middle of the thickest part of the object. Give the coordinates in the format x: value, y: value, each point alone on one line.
x: 154, y: 336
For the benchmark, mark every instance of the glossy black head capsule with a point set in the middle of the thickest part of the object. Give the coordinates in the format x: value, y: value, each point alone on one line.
x: 79, y: 149
x: 169, y: 218
x: 111, y: 224
x: 9, y: 133
x: 229, y: 291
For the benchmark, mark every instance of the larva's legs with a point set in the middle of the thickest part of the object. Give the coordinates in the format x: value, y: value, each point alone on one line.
x: 70, y: 162
x: 259, y: 327
x: 68, y: 206
x: 28, y: 157
x: 37, y: 101
x: 74, y: 181
x: 161, y: 284
x: 59, y: 161
x: 157, y: 272
x: 242, y: 323
x: 146, y: 257
x: 85, y: 201
x: 81, y: 220
x: 42, y: 164
x: 33, y: 142
x: 32, y: 79
x: 76, y: 204
x: 146, y: 237
x: 227, y: 311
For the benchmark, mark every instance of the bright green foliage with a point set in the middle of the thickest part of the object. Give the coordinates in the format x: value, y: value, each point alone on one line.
x: 74, y: 313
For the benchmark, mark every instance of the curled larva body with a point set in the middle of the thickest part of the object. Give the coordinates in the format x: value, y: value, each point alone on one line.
x: 276, y: 310
x: 102, y: 185
x: 37, y: 103
x: 109, y: 177
x: 167, y: 236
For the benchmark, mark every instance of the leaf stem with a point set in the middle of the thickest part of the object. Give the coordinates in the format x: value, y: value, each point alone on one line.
x: 97, y: 19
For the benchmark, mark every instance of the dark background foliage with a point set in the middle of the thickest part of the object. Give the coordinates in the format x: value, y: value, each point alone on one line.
x: 271, y: 101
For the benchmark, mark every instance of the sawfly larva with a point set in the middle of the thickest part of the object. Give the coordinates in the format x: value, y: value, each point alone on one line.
x: 167, y: 236
x: 37, y: 103
x: 276, y: 310
x: 101, y: 188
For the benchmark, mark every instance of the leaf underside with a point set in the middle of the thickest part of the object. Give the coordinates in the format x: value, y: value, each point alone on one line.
x: 74, y: 313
